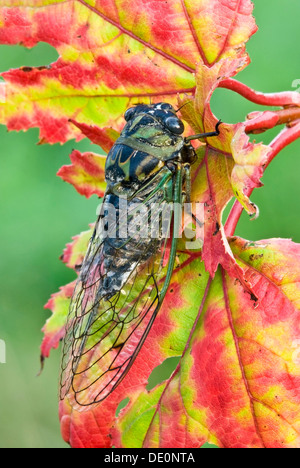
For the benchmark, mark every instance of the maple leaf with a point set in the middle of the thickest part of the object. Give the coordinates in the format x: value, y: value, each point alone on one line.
x: 112, y: 53
x: 237, y: 383
x: 54, y: 329
x: 86, y: 174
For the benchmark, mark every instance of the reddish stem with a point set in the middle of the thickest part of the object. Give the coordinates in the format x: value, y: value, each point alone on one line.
x: 286, y: 137
x: 287, y: 98
x: 261, y: 121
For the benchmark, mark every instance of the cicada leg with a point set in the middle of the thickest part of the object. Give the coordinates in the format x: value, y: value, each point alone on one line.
x: 168, y: 189
x: 177, y: 198
x: 205, y: 135
x: 188, y: 183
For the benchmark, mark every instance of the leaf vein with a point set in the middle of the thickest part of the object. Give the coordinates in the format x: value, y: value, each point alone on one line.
x: 133, y: 36
x: 229, y: 32
x: 239, y: 357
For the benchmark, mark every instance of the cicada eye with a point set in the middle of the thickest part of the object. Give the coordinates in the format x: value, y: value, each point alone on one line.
x: 166, y: 106
x: 174, y: 125
x: 129, y: 113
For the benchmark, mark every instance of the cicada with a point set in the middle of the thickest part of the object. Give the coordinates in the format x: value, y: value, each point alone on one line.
x: 128, y: 265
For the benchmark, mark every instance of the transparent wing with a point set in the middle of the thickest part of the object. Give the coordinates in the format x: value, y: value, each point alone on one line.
x: 117, y: 296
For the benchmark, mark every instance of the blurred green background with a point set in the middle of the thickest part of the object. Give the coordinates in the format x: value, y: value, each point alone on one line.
x: 39, y: 214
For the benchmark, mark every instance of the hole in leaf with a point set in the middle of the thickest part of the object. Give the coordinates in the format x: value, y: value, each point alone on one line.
x: 162, y: 372
x: 17, y: 56
x: 230, y: 107
x: 122, y: 405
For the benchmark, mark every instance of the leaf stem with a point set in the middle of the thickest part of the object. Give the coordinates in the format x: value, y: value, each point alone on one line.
x: 287, y: 98
x: 259, y: 122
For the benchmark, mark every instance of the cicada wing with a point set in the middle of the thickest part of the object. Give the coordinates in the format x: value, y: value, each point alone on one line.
x: 117, y: 296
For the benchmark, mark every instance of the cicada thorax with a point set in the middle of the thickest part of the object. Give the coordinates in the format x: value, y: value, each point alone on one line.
x: 128, y: 169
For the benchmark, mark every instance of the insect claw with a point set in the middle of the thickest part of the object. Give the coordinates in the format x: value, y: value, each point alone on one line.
x: 205, y: 135
x: 217, y: 127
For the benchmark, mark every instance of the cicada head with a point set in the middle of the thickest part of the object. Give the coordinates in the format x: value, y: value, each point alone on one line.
x: 163, y: 113
x: 157, y: 126
x: 151, y: 137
